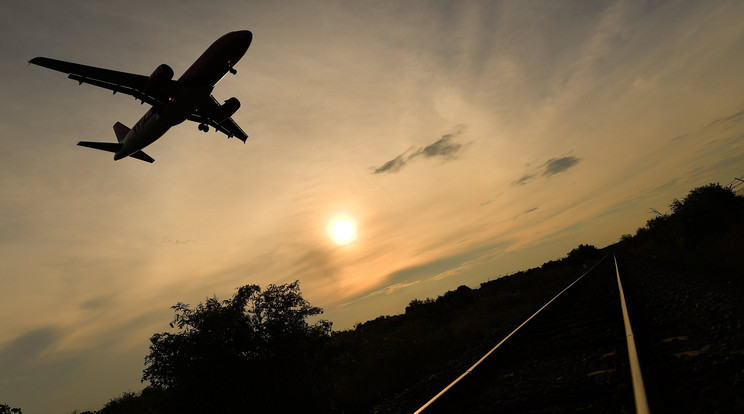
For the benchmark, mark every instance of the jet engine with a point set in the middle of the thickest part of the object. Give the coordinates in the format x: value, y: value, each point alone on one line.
x: 228, y: 108
x: 159, y: 78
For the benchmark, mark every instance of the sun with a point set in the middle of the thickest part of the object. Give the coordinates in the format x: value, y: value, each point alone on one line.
x: 342, y: 230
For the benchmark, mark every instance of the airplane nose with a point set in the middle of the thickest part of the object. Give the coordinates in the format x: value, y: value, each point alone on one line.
x: 247, y: 35
x: 244, y: 35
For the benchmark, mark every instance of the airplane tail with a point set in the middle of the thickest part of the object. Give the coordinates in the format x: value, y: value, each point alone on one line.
x: 121, y: 131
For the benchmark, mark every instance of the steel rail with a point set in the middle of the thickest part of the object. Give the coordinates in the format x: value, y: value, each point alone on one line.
x: 639, y: 391
x: 469, y: 370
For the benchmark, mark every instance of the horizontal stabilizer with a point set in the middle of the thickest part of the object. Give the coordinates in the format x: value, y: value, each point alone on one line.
x: 142, y: 156
x: 115, y: 147
x: 103, y: 146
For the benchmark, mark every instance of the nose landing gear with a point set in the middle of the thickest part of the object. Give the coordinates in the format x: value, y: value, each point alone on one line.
x: 203, y: 128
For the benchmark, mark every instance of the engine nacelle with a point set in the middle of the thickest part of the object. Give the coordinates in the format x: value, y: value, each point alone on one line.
x: 229, y: 108
x: 159, y: 78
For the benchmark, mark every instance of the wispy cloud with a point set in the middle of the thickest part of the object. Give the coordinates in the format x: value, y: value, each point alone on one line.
x: 452, y: 272
x: 394, y: 165
x: 392, y: 288
x: 729, y: 119
x: 23, y: 351
x: 551, y: 167
x: 445, y: 148
x: 524, y: 179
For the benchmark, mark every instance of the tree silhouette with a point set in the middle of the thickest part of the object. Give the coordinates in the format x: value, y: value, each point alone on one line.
x: 703, y: 230
x: 247, y: 351
x: 5, y: 409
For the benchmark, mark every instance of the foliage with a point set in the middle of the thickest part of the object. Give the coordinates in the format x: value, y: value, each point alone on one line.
x: 233, y: 354
x: 703, y: 230
x: 128, y: 402
x: 584, y: 253
x: 6, y: 409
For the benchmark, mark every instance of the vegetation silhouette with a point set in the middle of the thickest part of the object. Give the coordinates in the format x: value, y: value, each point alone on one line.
x: 6, y: 409
x: 249, y: 351
x: 256, y: 352
x: 703, y: 230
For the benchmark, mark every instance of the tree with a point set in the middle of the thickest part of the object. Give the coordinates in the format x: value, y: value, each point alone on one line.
x: 5, y: 409
x: 584, y: 253
x: 247, y: 351
x: 706, y: 211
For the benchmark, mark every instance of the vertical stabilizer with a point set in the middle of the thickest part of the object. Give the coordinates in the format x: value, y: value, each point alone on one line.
x: 121, y: 131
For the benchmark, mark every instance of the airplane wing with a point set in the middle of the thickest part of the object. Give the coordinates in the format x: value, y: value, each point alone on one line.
x: 126, y: 83
x: 208, y: 113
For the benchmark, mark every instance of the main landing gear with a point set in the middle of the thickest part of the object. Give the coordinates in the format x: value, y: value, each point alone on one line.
x: 203, y: 128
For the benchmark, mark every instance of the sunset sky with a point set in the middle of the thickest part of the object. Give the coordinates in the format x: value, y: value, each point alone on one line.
x: 465, y: 141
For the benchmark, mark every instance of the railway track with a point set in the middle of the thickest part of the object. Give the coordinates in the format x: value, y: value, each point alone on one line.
x: 572, y: 355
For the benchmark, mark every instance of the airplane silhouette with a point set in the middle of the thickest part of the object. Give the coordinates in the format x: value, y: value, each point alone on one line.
x: 173, y: 101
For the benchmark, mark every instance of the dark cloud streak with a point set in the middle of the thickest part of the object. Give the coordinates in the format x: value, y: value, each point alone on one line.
x: 393, y: 165
x: 444, y: 148
x: 524, y: 179
x: 20, y: 353
x: 729, y: 119
x: 551, y: 167
x: 559, y: 165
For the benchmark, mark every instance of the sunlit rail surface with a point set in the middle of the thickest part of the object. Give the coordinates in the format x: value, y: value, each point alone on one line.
x: 572, y: 355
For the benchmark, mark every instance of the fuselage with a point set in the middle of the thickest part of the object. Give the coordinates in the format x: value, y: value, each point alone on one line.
x: 198, y: 82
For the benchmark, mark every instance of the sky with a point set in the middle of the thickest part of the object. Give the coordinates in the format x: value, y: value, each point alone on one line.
x: 465, y: 140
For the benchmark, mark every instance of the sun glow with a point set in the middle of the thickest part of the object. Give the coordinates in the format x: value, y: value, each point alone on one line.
x: 342, y: 230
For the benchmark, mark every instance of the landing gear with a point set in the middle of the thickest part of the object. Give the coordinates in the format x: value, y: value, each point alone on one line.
x: 203, y: 128
x: 233, y: 71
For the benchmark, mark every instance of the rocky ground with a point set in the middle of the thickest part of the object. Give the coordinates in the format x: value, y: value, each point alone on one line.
x: 688, y: 328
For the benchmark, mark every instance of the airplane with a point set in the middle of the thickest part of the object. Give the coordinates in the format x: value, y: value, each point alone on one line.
x: 173, y: 101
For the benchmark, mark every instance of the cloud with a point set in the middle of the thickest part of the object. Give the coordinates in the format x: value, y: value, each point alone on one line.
x: 528, y: 211
x: 445, y: 148
x: 559, y: 165
x: 456, y: 271
x: 168, y: 240
x: 722, y: 122
x: 387, y: 290
x: 18, y: 355
x: 393, y: 165
x: 551, y: 167
x: 729, y: 119
x: 524, y: 179
x: 315, y: 264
